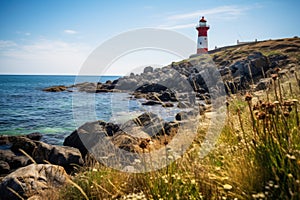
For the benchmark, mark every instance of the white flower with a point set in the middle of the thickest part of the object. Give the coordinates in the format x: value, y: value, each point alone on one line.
x: 227, y: 187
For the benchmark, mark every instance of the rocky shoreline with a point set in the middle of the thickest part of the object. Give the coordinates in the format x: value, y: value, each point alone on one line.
x: 28, y: 159
x: 31, y: 166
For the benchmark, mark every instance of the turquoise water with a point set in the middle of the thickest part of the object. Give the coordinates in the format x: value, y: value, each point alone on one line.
x: 25, y: 108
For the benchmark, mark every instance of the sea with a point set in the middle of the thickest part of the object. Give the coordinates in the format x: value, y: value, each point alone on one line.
x: 25, y: 108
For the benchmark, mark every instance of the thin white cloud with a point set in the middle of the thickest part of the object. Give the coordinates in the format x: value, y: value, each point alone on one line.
x: 222, y: 10
x: 7, y: 44
x: 180, y: 26
x: 182, y: 21
x: 23, y: 33
x: 70, y: 31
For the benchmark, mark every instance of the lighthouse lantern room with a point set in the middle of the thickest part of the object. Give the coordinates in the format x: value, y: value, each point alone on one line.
x: 202, y: 44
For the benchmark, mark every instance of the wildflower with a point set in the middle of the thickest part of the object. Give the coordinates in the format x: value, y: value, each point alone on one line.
x: 276, y: 102
x: 270, y: 108
x: 227, y: 187
x: 274, y: 76
x: 193, y: 181
x: 267, y: 187
x: 287, y: 103
x: 271, y: 183
x: 292, y: 157
x: 261, y: 115
x: 248, y: 97
x: 256, y: 107
x: 170, y: 157
x: 286, y: 113
x: 290, y: 175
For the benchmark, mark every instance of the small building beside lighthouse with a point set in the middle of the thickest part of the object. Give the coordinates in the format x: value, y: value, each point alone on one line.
x: 202, y: 44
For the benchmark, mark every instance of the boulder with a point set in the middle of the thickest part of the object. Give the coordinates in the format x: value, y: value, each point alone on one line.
x: 58, y: 88
x: 32, y: 180
x: 151, y: 103
x: 129, y: 84
x: 253, y: 65
x: 110, y: 128
x: 148, y: 69
x: 34, y: 136
x: 39, y: 151
x: 263, y: 84
x: 64, y: 156
x: 167, y: 96
x: 153, y: 87
x: 23, y: 143
x: 126, y: 142
x: 13, y: 160
x: 181, y: 116
x: 89, y: 133
x: 9, y: 139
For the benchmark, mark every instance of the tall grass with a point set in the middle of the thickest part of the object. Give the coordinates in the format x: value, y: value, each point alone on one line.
x: 257, y: 156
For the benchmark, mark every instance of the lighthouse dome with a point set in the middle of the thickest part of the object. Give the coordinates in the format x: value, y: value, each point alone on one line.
x: 202, y: 20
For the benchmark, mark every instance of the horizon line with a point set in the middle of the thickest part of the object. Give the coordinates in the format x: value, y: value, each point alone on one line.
x: 36, y: 74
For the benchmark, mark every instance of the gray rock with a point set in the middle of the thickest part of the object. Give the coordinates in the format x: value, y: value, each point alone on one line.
x: 23, y: 143
x: 4, y: 167
x: 126, y: 83
x: 65, y: 156
x: 154, y: 87
x: 263, y: 84
x: 151, y: 103
x: 58, y: 88
x: 87, y: 132
x: 14, y: 161
x: 148, y: 69
x: 32, y: 180
x: 34, y: 136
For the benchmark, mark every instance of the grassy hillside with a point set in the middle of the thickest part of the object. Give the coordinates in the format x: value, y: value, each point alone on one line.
x: 257, y: 155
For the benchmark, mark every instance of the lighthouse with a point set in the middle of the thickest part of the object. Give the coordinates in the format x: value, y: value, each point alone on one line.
x: 202, y: 29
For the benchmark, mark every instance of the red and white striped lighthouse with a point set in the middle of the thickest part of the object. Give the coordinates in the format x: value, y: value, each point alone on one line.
x: 202, y: 29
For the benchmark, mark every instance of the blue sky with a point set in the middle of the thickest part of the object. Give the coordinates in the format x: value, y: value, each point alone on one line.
x: 55, y: 37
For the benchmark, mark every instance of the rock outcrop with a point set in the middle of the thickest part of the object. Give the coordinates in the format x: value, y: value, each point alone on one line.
x: 14, y: 149
x: 127, y: 136
x: 58, y: 88
x: 34, y: 179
